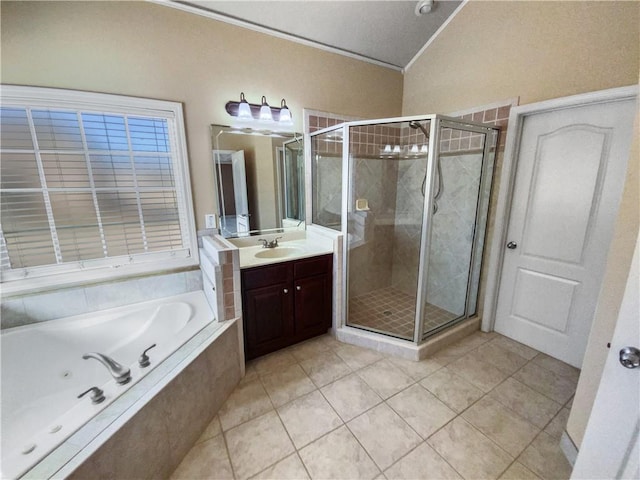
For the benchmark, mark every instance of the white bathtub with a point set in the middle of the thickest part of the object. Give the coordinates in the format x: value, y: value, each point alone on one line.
x: 43, y: 371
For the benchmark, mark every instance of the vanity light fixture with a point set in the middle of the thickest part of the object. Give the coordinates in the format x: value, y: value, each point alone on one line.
x: 260, y: 117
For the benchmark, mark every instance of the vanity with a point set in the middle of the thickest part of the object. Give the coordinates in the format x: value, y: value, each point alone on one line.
x: 286, y: 292
x: 285, y: 303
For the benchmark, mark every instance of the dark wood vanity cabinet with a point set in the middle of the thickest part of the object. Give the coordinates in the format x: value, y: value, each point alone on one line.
x: 285, y: 303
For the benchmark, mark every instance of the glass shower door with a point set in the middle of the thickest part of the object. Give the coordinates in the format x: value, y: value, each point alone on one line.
x: 387, y: 166
x: 464, y: 167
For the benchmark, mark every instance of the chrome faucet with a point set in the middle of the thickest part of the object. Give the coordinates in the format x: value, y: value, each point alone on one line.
x: 121, y: 374
x: 269, y: 244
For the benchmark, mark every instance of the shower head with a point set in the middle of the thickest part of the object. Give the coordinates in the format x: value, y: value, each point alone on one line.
x: 417, y: 125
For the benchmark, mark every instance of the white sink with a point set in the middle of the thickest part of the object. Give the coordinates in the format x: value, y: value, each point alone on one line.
x: 279, y: 252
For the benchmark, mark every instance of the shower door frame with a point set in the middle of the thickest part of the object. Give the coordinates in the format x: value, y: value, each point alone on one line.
x: 443, y: 121
x: 435, y: 121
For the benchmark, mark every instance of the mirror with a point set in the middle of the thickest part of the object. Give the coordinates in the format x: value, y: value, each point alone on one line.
x: 259, y: 180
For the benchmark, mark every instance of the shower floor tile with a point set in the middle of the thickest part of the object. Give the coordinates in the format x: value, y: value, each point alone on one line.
x: 392, y: 311
x: 346, y: 430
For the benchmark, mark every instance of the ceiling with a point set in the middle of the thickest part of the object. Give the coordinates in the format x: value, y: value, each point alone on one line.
x: 385, y: 32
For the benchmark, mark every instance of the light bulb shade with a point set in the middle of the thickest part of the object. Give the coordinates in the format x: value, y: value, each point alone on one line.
x: 265, y: 111
x: 414, y: 149
x: 387, y: 148
x: 424, y: 149
x: 396, y: 149
x: 244, y: 111
x: 285, y: 114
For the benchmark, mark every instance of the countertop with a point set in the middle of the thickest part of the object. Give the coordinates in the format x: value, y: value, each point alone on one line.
x: 255, y: 256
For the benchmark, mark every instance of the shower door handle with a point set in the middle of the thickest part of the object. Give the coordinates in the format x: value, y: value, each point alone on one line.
x: 512, y: 245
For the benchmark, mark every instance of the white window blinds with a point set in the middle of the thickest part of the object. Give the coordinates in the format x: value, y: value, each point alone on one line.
x: 83, y: 188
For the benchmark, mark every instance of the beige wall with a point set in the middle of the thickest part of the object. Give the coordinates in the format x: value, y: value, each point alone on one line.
x: 148, y: 50
x: 493, y: 51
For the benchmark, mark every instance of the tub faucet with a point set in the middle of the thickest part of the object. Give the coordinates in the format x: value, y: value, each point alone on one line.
x: 121, y: 374
x: 269, y: 244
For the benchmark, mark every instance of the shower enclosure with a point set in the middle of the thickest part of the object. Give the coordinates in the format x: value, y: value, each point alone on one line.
x: 411, y: 197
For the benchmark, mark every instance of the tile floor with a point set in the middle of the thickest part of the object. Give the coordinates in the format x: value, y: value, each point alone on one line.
x: 484, y: 408
x: 393, y: 311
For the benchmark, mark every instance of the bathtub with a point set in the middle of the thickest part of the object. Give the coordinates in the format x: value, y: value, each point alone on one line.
x: 43, y: 371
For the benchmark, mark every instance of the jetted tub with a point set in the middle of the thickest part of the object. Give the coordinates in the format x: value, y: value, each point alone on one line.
x: 43, y: 371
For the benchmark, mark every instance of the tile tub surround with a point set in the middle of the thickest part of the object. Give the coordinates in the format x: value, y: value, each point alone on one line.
x: 40, y: 307
x: 349, y: 412
x: 157, y: 438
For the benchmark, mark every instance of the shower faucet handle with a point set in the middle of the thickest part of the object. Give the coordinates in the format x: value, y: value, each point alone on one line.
x: 97, y: 395
x: 143, y: 361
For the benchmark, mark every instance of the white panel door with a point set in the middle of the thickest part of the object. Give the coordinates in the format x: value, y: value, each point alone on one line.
x: 571, y: 168
x: 240, y: 191
x: 610, y: 446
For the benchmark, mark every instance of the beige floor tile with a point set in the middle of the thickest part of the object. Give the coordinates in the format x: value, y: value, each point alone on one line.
x: 338, y: 455
x: 546, y: 382
x: 286, y: 385
x: 212, y: 430
x: 247, y: 401
x: 273, y: 362
x: 480, y: 374
x: 517, y: 471
x: 329, y: 341
x: 501, y: 358
x: 472, y: 454
x: 350, y: 396
x: 416, y: 370
x: 515, y: 347
x: 308, y: 418
x: 357, y: 357
x: 529, y: 404
x: 502, y: 425
x: 257, y: 444
x: 558, y: 424
x: 455, y: 391
x: 422, y: 463
x: 310, y: 348
x: 290, y: 468
x: 384, y: 435
x: 326, y: 368
x: 250, y: 372
x: 385, y: 378
x: 421, y: 410
x: 455, y: 351
x: 545, y: 458
x: 558, y: 367
x: 206, y: 460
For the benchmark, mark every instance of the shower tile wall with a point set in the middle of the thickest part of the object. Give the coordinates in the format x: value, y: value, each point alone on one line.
x: 327, y: 167
x: 452, y: 232
x: 445, y: 275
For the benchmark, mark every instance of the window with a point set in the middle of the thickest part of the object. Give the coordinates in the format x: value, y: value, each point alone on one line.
x: 90, y: 183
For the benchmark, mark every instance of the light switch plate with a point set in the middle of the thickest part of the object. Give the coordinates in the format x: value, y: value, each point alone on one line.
x: 210, y: 220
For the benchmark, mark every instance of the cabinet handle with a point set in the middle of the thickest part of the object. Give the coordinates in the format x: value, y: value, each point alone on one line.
x: 286, y: 290
x: 298, y: 287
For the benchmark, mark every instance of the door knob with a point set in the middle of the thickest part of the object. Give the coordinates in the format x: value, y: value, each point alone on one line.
x: 512, y: 245
x: 630, y: 357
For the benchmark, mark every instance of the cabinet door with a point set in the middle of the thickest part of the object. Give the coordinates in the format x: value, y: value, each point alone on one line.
x: 268, y: 318
x: 312, y: 306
